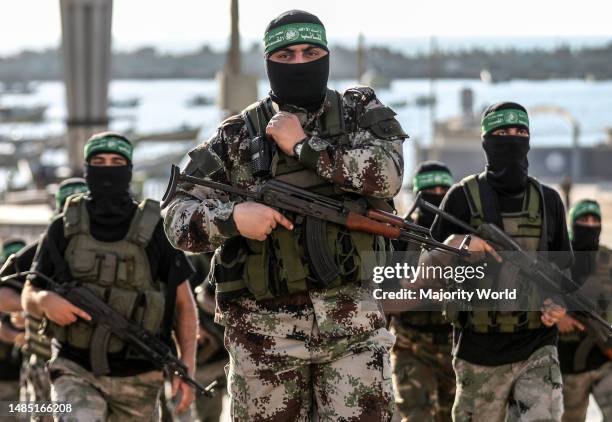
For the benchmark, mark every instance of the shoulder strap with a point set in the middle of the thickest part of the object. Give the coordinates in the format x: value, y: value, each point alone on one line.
x: 471, y: 190
x: 332, y: 122
x: 144, y: 222
x: 76, y: 219
x: 490, y: 205
x: 541, y: 207
x: 257, y: 115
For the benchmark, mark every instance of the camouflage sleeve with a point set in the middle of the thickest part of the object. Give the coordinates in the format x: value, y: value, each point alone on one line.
x: 372, y: 163
x: 200, y: 219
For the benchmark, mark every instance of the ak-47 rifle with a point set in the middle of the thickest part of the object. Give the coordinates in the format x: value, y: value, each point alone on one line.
x: 319, y: 210
x: 107, y: 321
x: 550, y: 277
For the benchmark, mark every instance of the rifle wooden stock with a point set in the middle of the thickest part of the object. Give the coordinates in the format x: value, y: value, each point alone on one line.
x: 361, y: 223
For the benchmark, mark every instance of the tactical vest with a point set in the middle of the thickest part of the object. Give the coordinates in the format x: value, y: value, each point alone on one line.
x: 526, y: 227
x: 279, y: 266
x: 602, y: 278
x: 118, y: 272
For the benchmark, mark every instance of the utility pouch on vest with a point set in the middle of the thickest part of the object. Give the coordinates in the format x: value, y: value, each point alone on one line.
x: 227, y: 268
x: 150, y: 311
x: 123, y: 301
x: 107, y: 273
x: 256, y: 270
x: 291, y: 274
x: 78, y: 334
x: 148, y: 314
x: 85, y: 265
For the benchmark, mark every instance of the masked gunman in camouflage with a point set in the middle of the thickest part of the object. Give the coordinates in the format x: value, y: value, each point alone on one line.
x: 117, y: 248
x: 423, y: 377
x: 296, y: 346
x: 586, y: 364
x: 34, y: 378
x: 506, y: 362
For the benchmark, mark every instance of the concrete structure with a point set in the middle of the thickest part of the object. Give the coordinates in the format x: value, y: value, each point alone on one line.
x: 86, y: 49
x: 236, y: 89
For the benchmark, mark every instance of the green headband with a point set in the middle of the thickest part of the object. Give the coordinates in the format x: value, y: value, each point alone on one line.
x: 431, y: 179
x: 10, y: 249
x: 507, y: 117
x: 294, y: 33
x: 108, y: 143
x: 583, y: 208
x: 65, y: 191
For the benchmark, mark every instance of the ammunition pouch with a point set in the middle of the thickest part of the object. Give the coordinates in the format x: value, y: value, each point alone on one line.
x: 279, y: 266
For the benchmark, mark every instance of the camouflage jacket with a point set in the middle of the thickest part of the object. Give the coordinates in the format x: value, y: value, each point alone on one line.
x: 200, y: 220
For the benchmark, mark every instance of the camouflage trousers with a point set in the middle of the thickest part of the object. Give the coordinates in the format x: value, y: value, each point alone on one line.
x: 576, y: 390
x: 423, y: 377
x: 528, y: 390
x: 101, y: 398
x: 332, y: 379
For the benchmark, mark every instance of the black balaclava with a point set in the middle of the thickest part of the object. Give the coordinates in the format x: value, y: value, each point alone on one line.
x: 585, y: 238
x: 304, y: 84
x: 426, y: 218
x: 507, y: 163
x: 110, y: 205
x: 585, y: 242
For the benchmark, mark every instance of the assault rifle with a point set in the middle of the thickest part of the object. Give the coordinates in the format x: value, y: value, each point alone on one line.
x: 320, y: 210
x: 551, y: 277
x: 107, y: 321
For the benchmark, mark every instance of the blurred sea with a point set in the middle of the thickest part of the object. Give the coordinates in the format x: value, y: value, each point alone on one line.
x: 163, y: 106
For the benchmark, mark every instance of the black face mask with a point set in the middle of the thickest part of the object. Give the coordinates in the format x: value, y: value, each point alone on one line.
x: 426, y: 218
x: 303, y: 85
x: 111, y: 206
x: 585, y: 238
x: 507, y: 163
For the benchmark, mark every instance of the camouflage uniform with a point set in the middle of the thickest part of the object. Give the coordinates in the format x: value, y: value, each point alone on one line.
x: 421, y: 358
x: 117, y: 398
x: 423, y: 377
x: 326, y: 343
x: 510, y: 392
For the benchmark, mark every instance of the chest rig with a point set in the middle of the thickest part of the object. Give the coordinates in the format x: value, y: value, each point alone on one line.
x: 118, y: 272
x: 279, y: 265
x: 527, y: 227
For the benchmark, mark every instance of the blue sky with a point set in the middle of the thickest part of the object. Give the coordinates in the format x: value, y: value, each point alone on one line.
x: 184, y: 24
